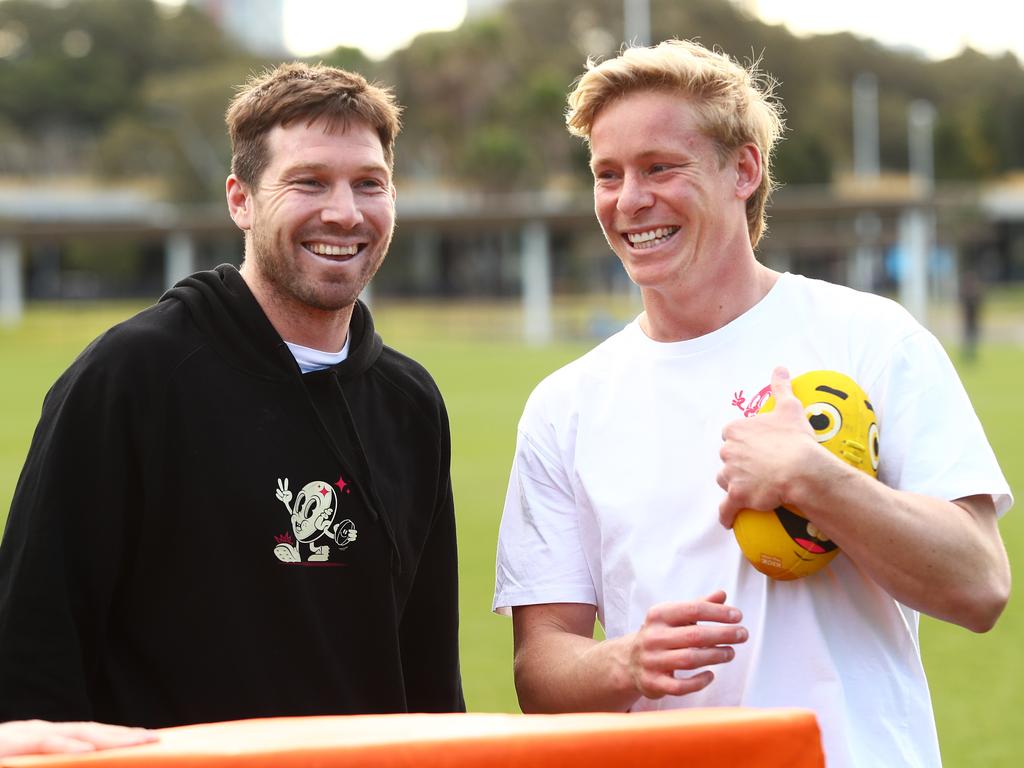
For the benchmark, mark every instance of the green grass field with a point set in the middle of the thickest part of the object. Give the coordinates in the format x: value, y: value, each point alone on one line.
x: 977, y: 681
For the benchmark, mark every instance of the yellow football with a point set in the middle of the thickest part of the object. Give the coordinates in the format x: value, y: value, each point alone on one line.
x: 782, y: 543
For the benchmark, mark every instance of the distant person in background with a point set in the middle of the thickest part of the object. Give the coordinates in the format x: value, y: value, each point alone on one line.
x: 238, y: 503
x: 39, y: 737
x: 632, y: 462
x: 971, y: 295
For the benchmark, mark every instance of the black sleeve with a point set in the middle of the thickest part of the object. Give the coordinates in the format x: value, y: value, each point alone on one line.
x: 429, y: 631
x: 62, y: 549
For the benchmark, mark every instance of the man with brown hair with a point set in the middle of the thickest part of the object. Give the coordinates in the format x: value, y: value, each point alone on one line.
x: 238, y: 503
x: 632, y: 462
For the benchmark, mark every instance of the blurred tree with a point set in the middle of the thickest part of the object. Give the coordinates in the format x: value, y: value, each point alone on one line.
x: 178, y: 136
x: 352, y: 59
x: 1001, y: 116
x: 448, y: 83
x: 73, y: 71
x: 497, y: 158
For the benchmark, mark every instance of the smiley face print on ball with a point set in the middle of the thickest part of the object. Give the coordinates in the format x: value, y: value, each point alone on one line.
x: 782, y: 543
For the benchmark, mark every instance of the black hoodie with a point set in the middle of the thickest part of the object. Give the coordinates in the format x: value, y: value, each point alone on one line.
x: 201, y: 533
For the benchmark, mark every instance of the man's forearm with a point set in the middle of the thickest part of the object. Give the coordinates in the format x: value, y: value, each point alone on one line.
x: 942, y: 558
x: 559, y: 667
x: 564, y: 672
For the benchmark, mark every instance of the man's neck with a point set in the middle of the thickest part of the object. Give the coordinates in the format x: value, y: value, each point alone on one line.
x: 696, y: 308
x: 323, y: 330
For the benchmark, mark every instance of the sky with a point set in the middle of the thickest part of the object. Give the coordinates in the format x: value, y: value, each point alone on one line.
x: 378, y: 27
x: 935, y: 28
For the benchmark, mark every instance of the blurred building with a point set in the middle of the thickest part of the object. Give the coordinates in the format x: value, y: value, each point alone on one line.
x: 257, y: 24
x: 81, y: 241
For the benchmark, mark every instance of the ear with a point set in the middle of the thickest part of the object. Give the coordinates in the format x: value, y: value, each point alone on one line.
x: 748, y: 170
x: 239, y: 202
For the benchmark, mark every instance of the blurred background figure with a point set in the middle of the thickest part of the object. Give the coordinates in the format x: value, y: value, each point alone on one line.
x: 972, y: 293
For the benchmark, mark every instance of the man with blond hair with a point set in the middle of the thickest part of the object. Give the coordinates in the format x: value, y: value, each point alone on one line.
x: 238, y: 502
x: 632, y: 462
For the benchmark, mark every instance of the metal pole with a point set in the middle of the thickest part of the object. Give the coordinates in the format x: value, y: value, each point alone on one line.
x: 918, y: 228
x: 920, y: 124
x: 179, y: 259
x: 866, y: 168
x: 536, y: 266
x: 11, y: 282
x: 637, y: 15
x: 861, y: 275
x: 865, y: 126
x: 915, y: 245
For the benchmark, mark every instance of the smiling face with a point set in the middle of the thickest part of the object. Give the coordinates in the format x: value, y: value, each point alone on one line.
x: 314, y: 511
x: 782, y: 543
x: 319, y: 221
x: 668, y: 204
x: 841, y: 416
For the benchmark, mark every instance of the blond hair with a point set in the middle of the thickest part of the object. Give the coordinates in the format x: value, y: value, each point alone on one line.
x: 735, y: 104
x: 298, y: 91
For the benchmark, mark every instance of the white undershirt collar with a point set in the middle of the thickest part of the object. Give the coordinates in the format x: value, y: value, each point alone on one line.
x: 310, y: 360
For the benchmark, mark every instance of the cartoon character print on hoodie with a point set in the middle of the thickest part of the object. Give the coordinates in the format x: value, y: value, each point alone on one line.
x: 312, y: 517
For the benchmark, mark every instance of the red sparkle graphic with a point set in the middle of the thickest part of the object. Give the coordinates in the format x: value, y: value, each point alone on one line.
x: 323, y: 490
x: 342, y: 485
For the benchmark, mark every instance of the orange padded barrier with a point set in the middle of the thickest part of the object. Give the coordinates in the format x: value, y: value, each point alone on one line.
x: 710, y: 738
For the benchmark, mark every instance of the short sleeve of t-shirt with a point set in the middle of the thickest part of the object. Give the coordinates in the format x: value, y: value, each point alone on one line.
x: 931, y: 439
x: 540, y: 555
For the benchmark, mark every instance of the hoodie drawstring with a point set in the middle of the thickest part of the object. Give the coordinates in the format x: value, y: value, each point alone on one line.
x: 367, y: 488
x: 364, y: 486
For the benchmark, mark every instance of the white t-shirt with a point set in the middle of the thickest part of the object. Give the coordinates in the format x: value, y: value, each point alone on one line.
x: 613, y: 502
x: 309, y: 359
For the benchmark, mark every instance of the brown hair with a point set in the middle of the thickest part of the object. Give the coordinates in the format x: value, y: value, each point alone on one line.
x: 736, y: 104
x: 299, y: 91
